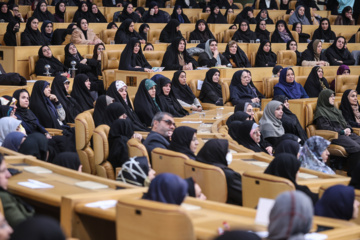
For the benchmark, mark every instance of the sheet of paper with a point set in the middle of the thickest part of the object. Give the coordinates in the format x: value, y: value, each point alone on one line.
x: 38, y: 170
x: 34, y: 184
x: 306, y: 175
x: 263, y: 211
x: 199, y: 84
x: 315, y: 236
x: 191, y: 122
x: 91, y: 185
x: 106, y: 204
x: 190, y: 207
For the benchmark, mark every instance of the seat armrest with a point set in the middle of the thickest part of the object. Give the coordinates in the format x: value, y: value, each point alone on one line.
x: 356, y: 131
x: 54, y: 131
x: 327, y: 134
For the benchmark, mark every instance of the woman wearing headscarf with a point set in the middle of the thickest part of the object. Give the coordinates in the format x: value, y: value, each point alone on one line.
x: 5, y: 13
x: 281, y: 34
x: 211, y: 88
x: 292, y: 45
x: 216, y: 152
x: 167, y: 188
x: 264, y: 56
x: 101, y: 103
x: 31, y: 35
x: 146, y: 102
x: 350, y: 108
x: 126, y: 31
x: 288, y: 86
x: 118, y: 91
x: 291, y: 216
x: 261, y: 33
x: 346, y: 17
x: 244, y: 33
x: 236, y: 56
x: 338, y: 202
x: 10, y: 35
x: 286, y: 165
x: 60, y: 88
x: 36, y: 145
x: 136, y: 171
x: 316, y: 82
x: 272, y: 4
x: 328, y: 117
x: 112, y: 25
x: 211, y: 57
x: 155, y: 15
x: 303, y: 37
x: 128, y: 12
x: 179, y: 15
x: 68, y: 160
x: 288, y: 143
x: 289, y: 120
x: 338, y: 54
x: 299, y: 16
x: 177, y: 58
x: 46, y: 58
x: 270, y: 124
x: 202, y: 32
x: 324, y: 31
x: 113, y: 112
x: 13, y: 140
x: 98, y: 48
x: 60, y: 9
x: 263, y: 15
x: 248, y: 14
x: 7, y: 111
x: 183, y: 92
x: 83, y: 34
x: 84, y: 12
x: 216, y: 16
x: 187, y: 3
x: 99, y: 17
x: 170, y: 32
x: 313, y: 55
x: 47, y: 30
x: 143, y: 30
x: 314, y: 155
x: 239, y: 116
x: 184, y: 141
x: 167, y: 97
x: 41, y: 12
x: 81, y: 92
x: 8, y: 125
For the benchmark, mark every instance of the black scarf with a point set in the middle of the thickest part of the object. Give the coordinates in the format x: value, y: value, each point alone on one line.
x: 169, y: 32
x: 314, y: 85
x: 209, y: 85
x: 81, y: 94
x: 59, y: 13
x: 182, y: 92
x: 34, y: 35
x: 128, y: 56
x: 112, y: 112
x: 7, y: 17
x: 42, y: 16
x: 244, y: 36
x: 55, y: 64
x: 239, y: 57
x: 88, y: 15
x: 181, y: 140
x: 202, y: 36
x: 245, y: 91
x: 10, y: 35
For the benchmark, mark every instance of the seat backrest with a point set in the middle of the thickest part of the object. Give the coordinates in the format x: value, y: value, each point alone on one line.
x: 286, y: 57
x: 32, y: 64
x: 204, y: 16
x: 228, y: 34
x: 154, y: 58
x: 295, y: 35
x: 18, y: 38
x: 67, y: 39
x: 193, y: 86
x: 258, y: 115
x: 164, y: 160
x: 156, y: 220
x: 357, y: 37
x: 210, y: 178
x: 231, y: 17
x: 257, y: 185
x: 61, y: 58
x: 110, y: 59
x: 108, y: 35
x: 345, y: 82
x: 309, y: 113
x: 269, y: 84
x: 108, y: 77
x: 154, y: 35
x: 225, y: 90
x: 136, y: 149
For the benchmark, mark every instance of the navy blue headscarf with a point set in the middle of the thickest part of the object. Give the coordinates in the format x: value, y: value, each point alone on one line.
x: 292, y: 90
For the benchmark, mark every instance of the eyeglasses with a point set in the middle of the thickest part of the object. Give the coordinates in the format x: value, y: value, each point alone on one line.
x: 101, y: 49
x: 169, y: 122
x: 256, y: 133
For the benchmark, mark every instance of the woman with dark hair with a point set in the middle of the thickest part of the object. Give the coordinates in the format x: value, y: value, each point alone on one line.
x: 5, y: 13
x: 324, y: 31
x: 112, y: 25
x: 113, y: 112
x: 183, y: 93
x: 284, y: 4
x: 167, y: 97
x: 47, y: 30
x: 41, y: 12
x: 244, y: 34
x: 83, y: 34
x: 303, y: 37
x: 211, y: 88
x: 98, y: 48
x: 281, y: 34
x: 313, y: 55
x: 100, y: 105
x: 216, y: 152
x: 179, y: 15
x: 46, y: 58
x: 299, y: 16
x: 81, y: 92
x: 349, y: 107
x: 60, y: 9
x: 146, y: 102
x: 31, y: 35
x: 238, y: 116
x: 211, y: 57
x: 177, y: 58
x: 132, y: 58
x: 202, y: 32
x: 288, y: 86
x: 170, y: 32
x: 346, y: 17
x: 206, y: 9
x: 264, y: 56
x: 187, y: 4
x: 155, y: 15
x: 261, y: 33
x: 263, y: 15
x: 126, y: 31
x: 10, y: 34
x: 83, y: 12
x: 99, y: 17
x: 246, y: 14
x: 184, y: 141
x: 292, y: 45
x: 143, y: 30
x: 235, y: 55
x: 216, y: 16
x: 128, y: 12
x: 136, y: 171
x: 338, y: 54
x: 316, y: 82
x: 272, y: 4
x: 149, y: 47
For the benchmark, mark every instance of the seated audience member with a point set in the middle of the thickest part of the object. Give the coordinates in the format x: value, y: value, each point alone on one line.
x: 68, y: 160
x: 313, y: 56
x: 211, y: 88
x: 10, y: 34
x: 242, y: 90
x: 338, y: 54
x: 42, y: 13
x: 272, y: 4
x: 8, y: 125
x: 47, y: 30
x: 184, y: 141
x: 47, y: 58
x: 342, y: 70
x: 84, y: 12
x: 314, y: 155
x: 31, y: 35
x: 248, y: 14
x: 216, y: 16
x: 292, y: 45
x: 212, y: 57
x: 238, y: 116
x: 236, y: 56
x: 276, y: 70
x: 246, y: 108
x: 128, y: 12
x: 17, y: 14
x: 5, y: 13
x: 187, y: 4
x: 299, y: 16
x: 263, y: 15
x: 201, y: 33
x: 346, y: 17
x: 194, y: 190
x: 291, y: 216
x: 143, y: 30
x: 118, y: 91
x: 288, y: 86
x: 36, y: 145
x: 281, y: 34
x: 13, y: 140
x: 167, y: 188
x: 170, y: 32
x: 169, y: 103
x: 179, y: 15
x: 81, y: 92
x: 324, y: 31
x: 112, y: 25
x: 136, y: 171
x: 98, y: 48
x: 286, y: 165
x: 303, y: 37
x: 155, y: 15
x: 216, y: 152
x: 60, y: 9
x: 338, y: 202
x: 146, y: 102
x: 15, y: 209
x: 183, y: 92
x: 350, y: 108
x: 270, y: 123
x: 83, y: 34
x: 101, y: 103
x: 288, y: 143
x: 289, y: 120
x: 7, y: 111
x: 233, y: 27
x: 261, y: 33
x: 162, y: 127
x: 113, y: 112
x: 133, y: 59
x: 149, y: 47
x: 316, y: 82
x: 237, y: 234
x: 126, y: 31
x: 244, y: 34
x: 99, y: 17
x: 177, y: 58
x: 264, y: 56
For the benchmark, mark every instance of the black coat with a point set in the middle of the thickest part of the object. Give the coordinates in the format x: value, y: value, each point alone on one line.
x: 335, y: 55
x: 204, y: 60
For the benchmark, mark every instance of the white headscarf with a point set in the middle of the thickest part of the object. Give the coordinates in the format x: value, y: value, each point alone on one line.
x: 210, y: 53
x: 7, y: 125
